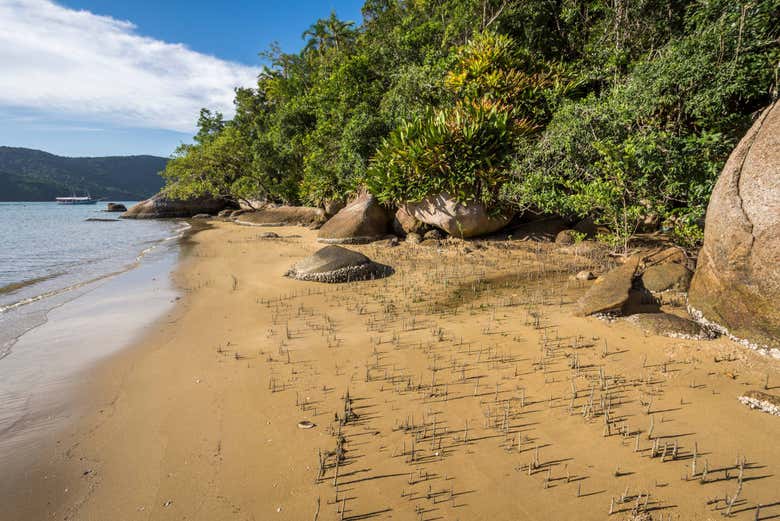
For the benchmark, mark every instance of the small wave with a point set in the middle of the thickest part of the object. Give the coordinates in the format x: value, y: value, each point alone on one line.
x: 178, y: 233
x: 16, y: 286
x: 60, y: 291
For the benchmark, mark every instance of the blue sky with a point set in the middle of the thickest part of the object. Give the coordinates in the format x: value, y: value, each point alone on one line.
x: 110, y: 77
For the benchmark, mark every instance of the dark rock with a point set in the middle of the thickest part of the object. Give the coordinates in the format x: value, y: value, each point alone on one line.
x: 609, y: 292
x: 162, y: 207
x: 541, y: 229
x: 404, y: 223
x: 334, y: 264
x: 667, y: 276
x: 281, y: 216
x: 116, y: 207
x: 363, y: 220
x: 268, y: 235
x: 457, y: 219
x: 587, y: 227
x: 433, y: 235
x: 226, y: 213
x: 737, y: 279
x: 666, y: 324
x: 99, y: 220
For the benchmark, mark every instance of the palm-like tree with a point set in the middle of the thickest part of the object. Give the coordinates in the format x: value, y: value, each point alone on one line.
x: 328, y: 32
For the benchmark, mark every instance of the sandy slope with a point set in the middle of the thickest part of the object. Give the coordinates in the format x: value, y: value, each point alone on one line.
x: 461, y: 369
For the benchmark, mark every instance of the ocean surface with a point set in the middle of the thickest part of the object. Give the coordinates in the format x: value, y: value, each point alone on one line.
x: 51, y: 254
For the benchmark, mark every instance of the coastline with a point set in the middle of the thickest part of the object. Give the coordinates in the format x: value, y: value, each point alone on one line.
x: 197, y: 419
x: 49, y: 365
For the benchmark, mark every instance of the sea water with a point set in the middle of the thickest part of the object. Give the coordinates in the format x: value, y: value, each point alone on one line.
x: 72, y: 292
x: 51, y: 254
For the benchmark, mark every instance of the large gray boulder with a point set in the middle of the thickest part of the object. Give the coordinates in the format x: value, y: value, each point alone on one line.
x: 457, y: 219
x: 336, y: 264
x: 737, y: 280
x: 362, y: 220
x: 162, y: 207
x: 610, y: 292
x: 281, y: 216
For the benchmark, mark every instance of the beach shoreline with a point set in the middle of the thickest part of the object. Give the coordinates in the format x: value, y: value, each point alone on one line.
x: 197, y: 419
x: 47, y: 374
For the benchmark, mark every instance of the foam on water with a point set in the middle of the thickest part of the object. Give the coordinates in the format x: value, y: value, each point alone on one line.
x: 50, y: 254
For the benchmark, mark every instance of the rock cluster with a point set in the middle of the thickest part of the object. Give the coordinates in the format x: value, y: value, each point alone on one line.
x: 162, y: 207
x: 610, y: 292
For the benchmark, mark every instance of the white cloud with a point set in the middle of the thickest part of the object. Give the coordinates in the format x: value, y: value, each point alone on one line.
x: 77, y: 64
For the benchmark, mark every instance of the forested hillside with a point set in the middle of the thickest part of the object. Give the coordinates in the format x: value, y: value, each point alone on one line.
x: 33, y: 175
x: 622, y: 110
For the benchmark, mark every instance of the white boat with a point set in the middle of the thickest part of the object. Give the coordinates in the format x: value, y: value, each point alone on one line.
x: 87, y: 199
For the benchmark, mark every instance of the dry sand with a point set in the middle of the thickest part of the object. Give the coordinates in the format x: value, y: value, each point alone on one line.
x: 464, y: 369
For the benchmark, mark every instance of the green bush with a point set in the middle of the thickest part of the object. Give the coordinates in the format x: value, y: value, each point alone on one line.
x: 464, y: 151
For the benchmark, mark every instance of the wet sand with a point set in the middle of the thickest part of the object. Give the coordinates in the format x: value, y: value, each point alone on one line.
x: 45, y: 371
x: 470, y: 390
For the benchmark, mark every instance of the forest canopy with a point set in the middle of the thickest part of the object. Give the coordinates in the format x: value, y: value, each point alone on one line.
x: 622, y: 110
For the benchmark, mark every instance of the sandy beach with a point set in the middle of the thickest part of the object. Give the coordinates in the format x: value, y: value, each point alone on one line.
x: 469, y: 390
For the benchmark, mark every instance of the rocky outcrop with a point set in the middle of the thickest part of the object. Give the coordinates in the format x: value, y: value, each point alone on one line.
x: 610, y: 292
x: 162, y: 207
x: 457, y: 219
x: 362, y: 220
x: 737, y: 280
x: 281, y: 216
x: 668, y: 276
x: 404, y: 224
x: 334, y: 264
x: 116, y: 207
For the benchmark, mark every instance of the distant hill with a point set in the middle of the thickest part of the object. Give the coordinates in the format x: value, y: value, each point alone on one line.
x: 33, y: 175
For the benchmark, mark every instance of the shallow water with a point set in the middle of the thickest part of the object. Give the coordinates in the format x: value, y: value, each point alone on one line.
x: 50, y: 254
x: 80, y: 327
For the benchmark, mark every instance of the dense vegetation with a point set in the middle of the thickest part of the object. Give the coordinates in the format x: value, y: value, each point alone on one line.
x: 33, y: 175
x: 622, y: 110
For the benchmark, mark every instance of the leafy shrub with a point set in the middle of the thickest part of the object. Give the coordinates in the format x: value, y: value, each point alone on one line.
x: 464, y: 151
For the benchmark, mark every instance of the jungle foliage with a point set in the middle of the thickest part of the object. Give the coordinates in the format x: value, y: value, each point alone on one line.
x: 624, y: 110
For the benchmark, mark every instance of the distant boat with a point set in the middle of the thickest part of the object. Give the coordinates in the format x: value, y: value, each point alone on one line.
x: 87, y: 199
